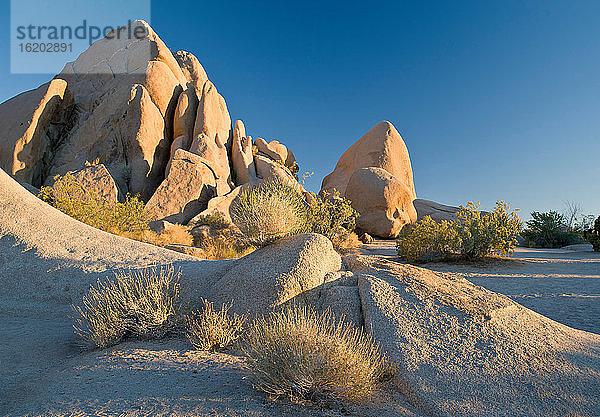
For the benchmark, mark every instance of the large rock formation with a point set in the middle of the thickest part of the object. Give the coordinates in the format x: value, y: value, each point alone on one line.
x: 383, y: 201
x: 131, y: 105
x: 190, y: 184
x: 383, y: 197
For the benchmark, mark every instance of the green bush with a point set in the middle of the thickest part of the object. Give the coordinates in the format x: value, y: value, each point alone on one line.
x: 302, y: 355
x: 269, y: 211
x: 428, y: 240
x: 330, y: 214
x: 69, y: 196
x: 140, y: 304
x: 475, y: 235
x: 211, y: 329
x: 548, y: 230
x: 592, y: 235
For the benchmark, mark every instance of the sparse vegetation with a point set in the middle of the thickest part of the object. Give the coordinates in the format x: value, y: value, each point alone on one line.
x: 268, y: 212
x: 474, y: 236
x: 302, y: 355
x: 330, y: 214
x: 211, y: 329
x: 592, y: 235
x: 139, y: 304
x: 549, y: 230
x: 67, y: 195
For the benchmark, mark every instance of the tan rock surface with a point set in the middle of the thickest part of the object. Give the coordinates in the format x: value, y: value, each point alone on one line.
x: 125, y: 132
x: 383, y: 202
x: 97, y: 179
x: 29, y: 121
x: 185, y: 192
x: 192, y: 69
x: 437, y: 211
x: 464, y: 350
x: 273, y: 149
x: 277, y: 273
x: 267, y: 169
x: 380, y: 147
x: 242, y: 159
x: 214, y: 151
x: 212, y: 117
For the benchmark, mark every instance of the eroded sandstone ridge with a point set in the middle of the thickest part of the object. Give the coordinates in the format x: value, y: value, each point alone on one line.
x: 152, y: 118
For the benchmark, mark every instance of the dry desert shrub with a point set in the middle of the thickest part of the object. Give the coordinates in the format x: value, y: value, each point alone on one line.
x: 211, y: 329
x: 305, y: 356
x: 67, y: 195
x: 268, y: 212
x: 175, y: 234
x: 139, y: 304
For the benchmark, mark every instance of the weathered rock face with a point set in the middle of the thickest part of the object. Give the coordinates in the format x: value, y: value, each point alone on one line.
x: 283, y: 271
x: 437, y: 211
x: 97, y: 179
x: 267, y: 169
x: 383, y: 201
x: 462, y: 350
x: 212, y: 118
x: 383, y: 197
x: 221, y: 204
x: 380, y: 147
x: 242, y: 159
x: 28, y: 132
x: 185, y: 192
x: 130, y: 105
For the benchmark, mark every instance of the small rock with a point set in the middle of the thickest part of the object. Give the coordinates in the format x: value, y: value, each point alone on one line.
x: 366, y: 238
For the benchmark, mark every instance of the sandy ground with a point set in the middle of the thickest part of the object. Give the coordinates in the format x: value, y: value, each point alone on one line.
x: 45, y: 372
x: 560, y: 284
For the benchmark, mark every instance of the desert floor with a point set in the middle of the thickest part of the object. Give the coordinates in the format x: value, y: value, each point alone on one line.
x: 561, y: 284
x: 44, y: 372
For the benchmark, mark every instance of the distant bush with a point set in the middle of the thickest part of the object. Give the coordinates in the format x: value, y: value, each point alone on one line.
x: 475, y: 235
x: 592, y: 235
x: 268, y: 212
x: 214, y: 220
x: 299, y: 354
x: 140, y: 304
x: 69, y: 196
x: 211, y: 329
x: 175, y: 234
x: 549, y: 230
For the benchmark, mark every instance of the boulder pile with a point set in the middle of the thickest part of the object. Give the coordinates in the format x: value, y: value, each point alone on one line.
x: 152, y: 119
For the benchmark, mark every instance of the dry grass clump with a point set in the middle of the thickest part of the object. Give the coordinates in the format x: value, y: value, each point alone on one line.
x: 300, y: 354
x: 139, y: 304
x: 211, y: 329
x: 268, y: 212
x: 69, y: 196
x: 175, y: 234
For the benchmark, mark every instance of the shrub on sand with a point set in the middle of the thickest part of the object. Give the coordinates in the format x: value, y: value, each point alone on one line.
x: 474, y: 236
x: 140, y: 304
x: 300, y: 354
x: 268, y: 212
x: 173, y: 235
x: 428, y: 240
x: 211, y: 329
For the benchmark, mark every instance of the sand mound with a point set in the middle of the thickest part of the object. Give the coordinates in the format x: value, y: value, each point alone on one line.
x: 467, y: 351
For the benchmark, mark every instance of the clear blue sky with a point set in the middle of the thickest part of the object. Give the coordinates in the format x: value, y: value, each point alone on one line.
x: 495, y: 100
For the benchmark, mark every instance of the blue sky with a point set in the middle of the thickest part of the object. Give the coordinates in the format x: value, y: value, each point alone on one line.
x: 495, y: 100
